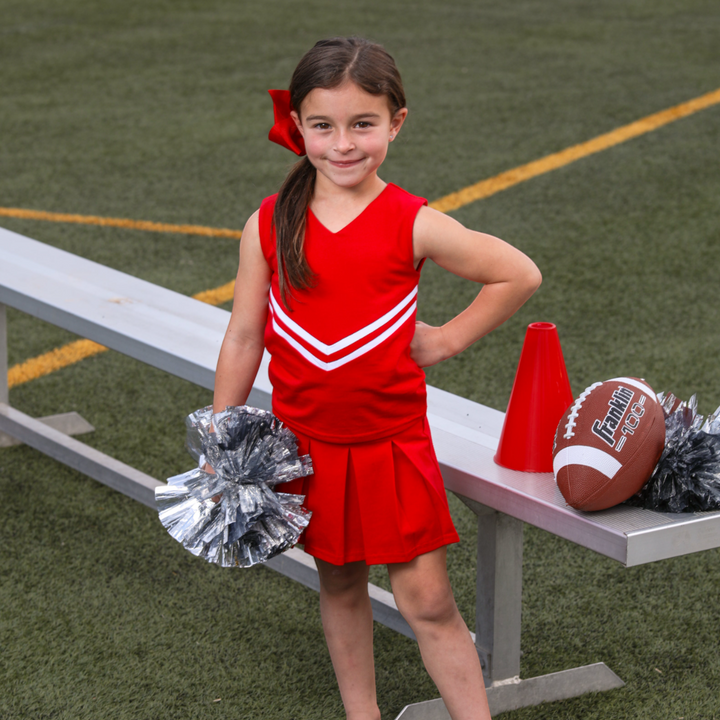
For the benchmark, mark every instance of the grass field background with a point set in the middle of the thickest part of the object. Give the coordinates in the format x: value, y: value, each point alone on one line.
x: 159, y: 111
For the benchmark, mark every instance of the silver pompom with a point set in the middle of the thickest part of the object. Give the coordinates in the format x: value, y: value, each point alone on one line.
x: 687, y: 476
x: 226, y: 510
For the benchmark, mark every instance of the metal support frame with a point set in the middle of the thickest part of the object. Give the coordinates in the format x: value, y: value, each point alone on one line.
x: 77, y: 455
x: 499, y: 594
x: 51, y: 441
x: 4, y: 392
x: 498, y: 619
x: 524, y: 693
x: 68, y: 423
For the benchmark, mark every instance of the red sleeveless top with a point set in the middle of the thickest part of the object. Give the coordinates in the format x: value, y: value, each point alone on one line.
x: 340, y: 356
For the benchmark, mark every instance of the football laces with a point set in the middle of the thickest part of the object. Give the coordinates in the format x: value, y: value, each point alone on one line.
x: 575, y: 409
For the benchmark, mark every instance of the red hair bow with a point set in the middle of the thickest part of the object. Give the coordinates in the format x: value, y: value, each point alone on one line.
x: 284, y: 132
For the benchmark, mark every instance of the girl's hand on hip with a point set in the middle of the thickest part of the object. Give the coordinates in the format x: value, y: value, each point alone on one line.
x: 428, y: 346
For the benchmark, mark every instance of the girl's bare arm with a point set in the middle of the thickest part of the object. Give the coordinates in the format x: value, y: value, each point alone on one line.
x: 508, y: 276
x: 243, y: 345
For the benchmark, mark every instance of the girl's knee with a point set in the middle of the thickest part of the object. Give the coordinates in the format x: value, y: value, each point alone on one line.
x: 422, y: 589
x: 351, y: 578
x: 430, y: 606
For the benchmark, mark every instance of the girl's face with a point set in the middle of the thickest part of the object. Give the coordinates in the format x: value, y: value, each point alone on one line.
x: 346, y: 132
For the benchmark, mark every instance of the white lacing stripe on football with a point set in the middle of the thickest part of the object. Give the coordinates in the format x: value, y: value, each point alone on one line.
x: 346, y: 341
x: 575, y: 409
x: 362, y: 350
x: 636, y: 384
x: 587, y: 456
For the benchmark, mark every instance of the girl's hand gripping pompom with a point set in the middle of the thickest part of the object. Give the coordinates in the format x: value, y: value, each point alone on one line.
x: 226, y: 510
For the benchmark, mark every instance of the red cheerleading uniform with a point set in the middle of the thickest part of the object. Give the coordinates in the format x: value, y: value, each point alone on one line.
x: 344, y: 382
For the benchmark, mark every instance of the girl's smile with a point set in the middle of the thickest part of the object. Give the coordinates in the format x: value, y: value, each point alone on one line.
x: 347, y: 132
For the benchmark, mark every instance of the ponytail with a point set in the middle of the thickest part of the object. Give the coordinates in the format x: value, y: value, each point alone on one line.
x: 289, y: 220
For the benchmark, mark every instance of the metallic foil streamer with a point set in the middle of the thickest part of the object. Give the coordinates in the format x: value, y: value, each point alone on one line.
x: 226, y: 510
x: 687, y: 476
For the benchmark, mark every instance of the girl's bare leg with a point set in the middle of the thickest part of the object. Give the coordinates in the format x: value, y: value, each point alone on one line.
x: 424, y: 597
x: 347, y: 621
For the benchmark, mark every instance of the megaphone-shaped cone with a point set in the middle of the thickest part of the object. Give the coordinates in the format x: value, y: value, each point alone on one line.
x: 541, y: 394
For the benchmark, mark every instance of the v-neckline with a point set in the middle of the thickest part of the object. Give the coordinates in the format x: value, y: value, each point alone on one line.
x: 355, y: 219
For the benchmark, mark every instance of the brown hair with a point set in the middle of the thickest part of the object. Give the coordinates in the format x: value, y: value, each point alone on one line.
x: 327, y: 65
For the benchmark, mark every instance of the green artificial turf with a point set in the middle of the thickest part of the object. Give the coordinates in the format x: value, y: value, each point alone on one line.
x: 158, y: 111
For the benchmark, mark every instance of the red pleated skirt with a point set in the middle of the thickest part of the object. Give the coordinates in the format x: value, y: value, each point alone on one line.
x: 381, y: 501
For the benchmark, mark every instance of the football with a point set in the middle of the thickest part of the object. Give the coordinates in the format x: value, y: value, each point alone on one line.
x: 608, y: 443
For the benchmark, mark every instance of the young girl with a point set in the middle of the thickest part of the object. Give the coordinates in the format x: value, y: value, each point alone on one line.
x: 328, y: 278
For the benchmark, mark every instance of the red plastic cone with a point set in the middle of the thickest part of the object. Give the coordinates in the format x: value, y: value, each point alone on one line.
x: 541, y: 394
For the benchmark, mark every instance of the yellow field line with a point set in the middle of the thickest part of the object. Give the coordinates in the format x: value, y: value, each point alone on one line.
x: 76, y: 351
x: 51, y: 361
x: 507, y: 179
x: 119, y: 222
x: 80, y: 349
x: 218, y: 295
x: 450, y: 202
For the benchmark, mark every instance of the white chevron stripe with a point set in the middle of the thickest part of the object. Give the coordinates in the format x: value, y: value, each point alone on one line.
x: 346, y: 341
x: 362, y: 350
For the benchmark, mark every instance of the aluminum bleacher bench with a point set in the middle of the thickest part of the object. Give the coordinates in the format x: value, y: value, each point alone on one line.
x: 182, y: 336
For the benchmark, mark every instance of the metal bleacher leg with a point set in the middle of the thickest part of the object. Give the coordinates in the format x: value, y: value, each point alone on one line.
x: 497, y: 634
x: 4, y: 393
x: 499, y: 595
x: 69, y: 423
